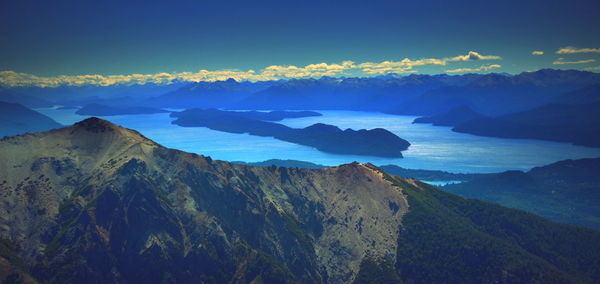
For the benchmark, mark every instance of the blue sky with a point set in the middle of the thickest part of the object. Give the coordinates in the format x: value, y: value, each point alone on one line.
x: 52, y: 38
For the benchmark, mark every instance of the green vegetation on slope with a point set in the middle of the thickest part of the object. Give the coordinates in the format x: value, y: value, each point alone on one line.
x: 567, y: 191
x: 376, y: 271
x: 446, y: 238
x: 12, y: 267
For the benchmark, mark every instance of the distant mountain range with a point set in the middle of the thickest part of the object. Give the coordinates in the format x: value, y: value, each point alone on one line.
x: 495, y: 95
x: 348, y: 93
x: 488, y: 94
x: 217, y: 94
x: 585, y: 95
x: 97, y: 203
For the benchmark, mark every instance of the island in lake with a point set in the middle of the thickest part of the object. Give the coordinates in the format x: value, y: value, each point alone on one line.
x: 327, y: 138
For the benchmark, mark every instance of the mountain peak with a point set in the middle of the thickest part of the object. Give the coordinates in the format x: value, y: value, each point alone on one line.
x: 94, y: 124
x: 100, y: 131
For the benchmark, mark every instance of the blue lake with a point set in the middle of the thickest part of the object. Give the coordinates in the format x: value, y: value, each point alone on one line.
x: 432, y: 147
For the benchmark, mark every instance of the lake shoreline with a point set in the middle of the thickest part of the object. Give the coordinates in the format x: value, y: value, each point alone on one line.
x: 432, y: 147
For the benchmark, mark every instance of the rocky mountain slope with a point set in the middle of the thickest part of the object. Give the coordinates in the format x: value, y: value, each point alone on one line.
x: 428, y: 175
x: 98, y: 203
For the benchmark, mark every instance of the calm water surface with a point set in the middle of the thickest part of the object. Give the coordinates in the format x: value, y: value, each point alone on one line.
x: 432, y: 147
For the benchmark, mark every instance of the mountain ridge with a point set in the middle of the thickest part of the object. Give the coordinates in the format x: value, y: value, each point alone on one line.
x: 95, y: 202
x: 136, y: 153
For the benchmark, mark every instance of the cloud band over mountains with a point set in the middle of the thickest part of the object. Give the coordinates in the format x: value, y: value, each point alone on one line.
x: 479, y: 69
x: 274, y: 72
x: 561, y: 61
x: 572, y: 50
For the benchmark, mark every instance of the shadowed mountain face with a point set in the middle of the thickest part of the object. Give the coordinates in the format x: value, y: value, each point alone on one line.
x: 587, y: 95
x: 209, y: 94
x: 577, y: 124
x: 17, y: 119
x: 98, y: 203
x: 348, y: 93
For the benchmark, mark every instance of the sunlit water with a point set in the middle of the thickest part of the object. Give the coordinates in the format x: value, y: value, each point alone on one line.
x: 432, y: 147
x: 442, y: 182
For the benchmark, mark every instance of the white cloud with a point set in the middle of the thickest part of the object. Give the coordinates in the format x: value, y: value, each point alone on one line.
x: 473, y: 56
x: 537, y: 52
x: 561, y: 61
x: 479, y: 69
x: 311, y: 70
x: 274, y: 72
x: 571, y: 50
x: 386, y: 67
x: 14, y: 79
x: 405, y: 65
